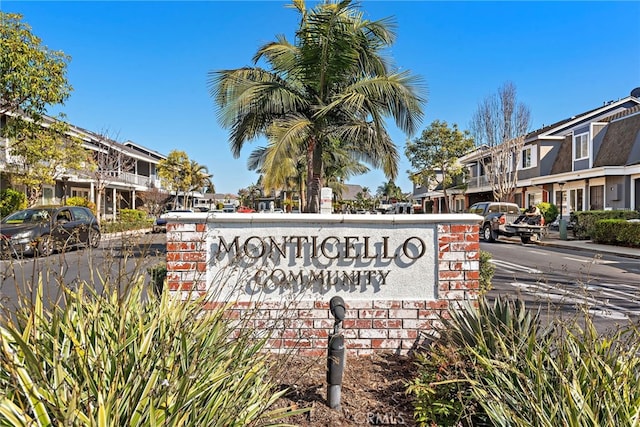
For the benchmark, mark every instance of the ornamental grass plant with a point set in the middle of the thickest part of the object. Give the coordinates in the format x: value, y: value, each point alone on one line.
x: 495, y: 365
x: 113, y: 353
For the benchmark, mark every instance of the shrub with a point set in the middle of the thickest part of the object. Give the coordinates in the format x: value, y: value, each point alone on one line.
x: 584, y: 221
x: 132, y: 215
x: 487, y: 270
x: 575, y: 378
x: 11, y: 201
x: 81, y: 201
x: 443, y: 388
x: 549, y: 211
x: 158, y: 275
x: 112, y: 358
x: 494, y: 365
x: 616, y: 232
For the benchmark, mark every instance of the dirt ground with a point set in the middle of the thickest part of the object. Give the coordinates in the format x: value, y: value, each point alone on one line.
x: 373, y: 391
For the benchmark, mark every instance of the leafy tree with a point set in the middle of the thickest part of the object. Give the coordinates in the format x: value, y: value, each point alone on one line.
x: 31, y: 78
x: 332, y: 84
x: 500, y: 124
x: 174, y: 171
x: 11, y: 200
x: 42, y: 154
x: 434, y: 155
x: 31, y: 75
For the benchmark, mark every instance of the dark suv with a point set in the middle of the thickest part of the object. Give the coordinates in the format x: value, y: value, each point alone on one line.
x: 496, y: 215
x: 43, y: 230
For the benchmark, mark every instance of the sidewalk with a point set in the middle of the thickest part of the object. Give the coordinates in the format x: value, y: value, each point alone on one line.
x: 553, y: 239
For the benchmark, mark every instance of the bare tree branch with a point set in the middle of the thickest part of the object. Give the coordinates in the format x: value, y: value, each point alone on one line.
x: 500, y: 124
x: 110, y: 162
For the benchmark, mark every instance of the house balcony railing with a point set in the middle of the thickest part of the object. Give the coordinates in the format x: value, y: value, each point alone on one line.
x: 130, y: 178
x: 478, y: 181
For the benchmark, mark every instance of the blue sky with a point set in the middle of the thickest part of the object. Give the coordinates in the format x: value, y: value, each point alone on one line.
x: 140, y: 69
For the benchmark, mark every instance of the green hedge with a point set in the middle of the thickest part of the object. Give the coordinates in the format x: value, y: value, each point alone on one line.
x: 617, y: 232
x: 132, y: 215
x: 584, y: 221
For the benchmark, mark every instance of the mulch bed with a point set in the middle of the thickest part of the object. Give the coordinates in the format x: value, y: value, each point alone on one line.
x: 373, y: 390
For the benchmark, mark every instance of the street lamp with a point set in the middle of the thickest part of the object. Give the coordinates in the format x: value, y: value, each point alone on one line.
x: 562, y: 225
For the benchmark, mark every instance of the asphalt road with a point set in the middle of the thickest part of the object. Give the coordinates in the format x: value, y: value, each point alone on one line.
x: 566, y: 283
x: 563, y: 283
x: 116, y: 261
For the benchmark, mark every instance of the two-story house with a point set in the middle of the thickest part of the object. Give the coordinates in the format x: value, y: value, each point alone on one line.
x: 129, y: 170
x: 588, y: 161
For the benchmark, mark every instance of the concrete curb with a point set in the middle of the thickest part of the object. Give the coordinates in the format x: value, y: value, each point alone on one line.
x: 584, y: 246
x: 121, y: 234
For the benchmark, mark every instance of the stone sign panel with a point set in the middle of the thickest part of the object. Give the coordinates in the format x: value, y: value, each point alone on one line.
x: 396, y: 273
x: 307, y: 260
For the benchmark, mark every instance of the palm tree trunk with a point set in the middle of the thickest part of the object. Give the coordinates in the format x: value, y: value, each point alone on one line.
x: 315, y: 178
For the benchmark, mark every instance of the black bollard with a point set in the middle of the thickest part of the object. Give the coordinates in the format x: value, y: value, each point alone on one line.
x: 335, y: 354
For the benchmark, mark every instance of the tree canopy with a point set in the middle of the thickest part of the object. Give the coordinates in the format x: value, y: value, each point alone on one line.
x: 31, y: 75
x: 183, y: 175
x: 332, y: 84
x: 42, y: 154
x: 434, y: 155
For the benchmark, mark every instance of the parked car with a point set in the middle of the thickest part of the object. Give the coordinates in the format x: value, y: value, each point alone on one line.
x: 555, y: 225
x: 44, y: 230
x: 160, y: 223
x: 245, y: 209
x: 496, y: 215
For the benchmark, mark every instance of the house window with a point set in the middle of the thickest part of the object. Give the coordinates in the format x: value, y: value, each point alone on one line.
x: 596, y: 197
x: 518, y: 199
x: 526, y: 158
x: 581, y: 146
x: 576, y: 198
x: 80, y: 192
x: 559, y: 198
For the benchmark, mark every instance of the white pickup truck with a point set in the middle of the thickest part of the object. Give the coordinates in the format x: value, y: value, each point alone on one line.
x: 506, y: 219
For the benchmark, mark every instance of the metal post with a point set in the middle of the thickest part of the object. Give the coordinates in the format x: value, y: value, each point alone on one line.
x: 562, y: 225
x: 335, y: 354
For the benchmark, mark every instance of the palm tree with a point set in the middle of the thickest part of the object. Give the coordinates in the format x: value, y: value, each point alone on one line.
x: 175, y: 173
x: 199, y: 178
x: 332, y: 84
x: 254, y: 192
x: 279, y: 171
x: 389, y: 190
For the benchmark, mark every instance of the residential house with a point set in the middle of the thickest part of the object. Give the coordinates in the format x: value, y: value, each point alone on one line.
x: 123, y: 181
x: 585, y: 162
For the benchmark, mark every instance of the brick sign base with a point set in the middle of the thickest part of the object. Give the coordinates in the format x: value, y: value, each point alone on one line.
x: 303, y: 324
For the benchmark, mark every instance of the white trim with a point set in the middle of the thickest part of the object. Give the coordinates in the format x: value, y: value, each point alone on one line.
x: 585, y: 117
x: 574, y: 146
